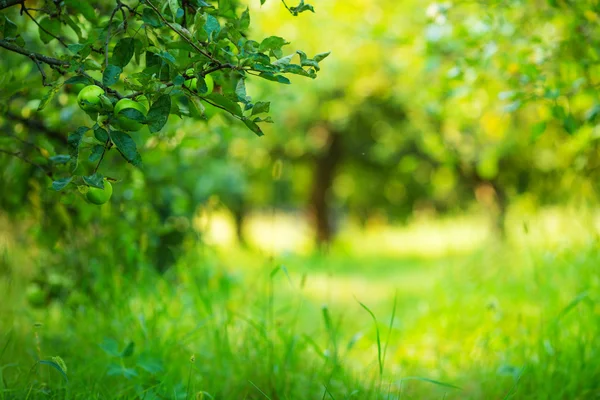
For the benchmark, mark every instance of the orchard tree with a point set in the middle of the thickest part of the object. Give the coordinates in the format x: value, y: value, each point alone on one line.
x: 131, y: 66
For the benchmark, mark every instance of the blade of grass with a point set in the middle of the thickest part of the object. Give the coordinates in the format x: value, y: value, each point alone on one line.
x: 379, y: 353
x: 432, y: 381
x: 257, y: 388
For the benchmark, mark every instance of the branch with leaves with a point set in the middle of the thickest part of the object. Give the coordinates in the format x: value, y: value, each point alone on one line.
x: 147, y: 62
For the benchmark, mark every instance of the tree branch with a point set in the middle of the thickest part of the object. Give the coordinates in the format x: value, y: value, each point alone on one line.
x: 19, y: 156
x: 41, y: 27
x: 9, y: 3
x: 40, y: 57
x: 36, y: 125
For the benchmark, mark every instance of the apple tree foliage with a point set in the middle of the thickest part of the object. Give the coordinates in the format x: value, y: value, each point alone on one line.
x: 146, y: 51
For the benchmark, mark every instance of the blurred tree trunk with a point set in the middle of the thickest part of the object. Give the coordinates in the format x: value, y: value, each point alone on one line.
x: 239, y: 217
x: 324, y: 173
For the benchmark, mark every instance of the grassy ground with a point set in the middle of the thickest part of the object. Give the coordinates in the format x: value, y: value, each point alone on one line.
x: 497, y: 321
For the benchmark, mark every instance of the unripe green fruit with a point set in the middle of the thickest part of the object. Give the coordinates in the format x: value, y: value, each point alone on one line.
x: 89, y: 98
x: 99, y: 196
x: 125, y: 123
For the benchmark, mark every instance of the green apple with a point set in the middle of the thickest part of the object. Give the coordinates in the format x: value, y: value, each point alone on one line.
x: 192, y: 84
x: 99, y: 196
x: 89, y: 98
x: 125, y: 123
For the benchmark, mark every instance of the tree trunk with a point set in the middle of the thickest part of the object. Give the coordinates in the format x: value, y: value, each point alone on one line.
x: 324, y: 174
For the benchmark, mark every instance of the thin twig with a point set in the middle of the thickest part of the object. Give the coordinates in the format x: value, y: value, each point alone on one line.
x: 32, y: 56
x: 177, y: 31
x: 9, y: 3
x: 19, y: 156
x: 40, y: 57
x: 106, y: 147
x: 112, y: 16
x: 24, y: 9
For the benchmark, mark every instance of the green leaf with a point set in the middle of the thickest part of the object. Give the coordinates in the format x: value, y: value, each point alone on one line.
x: 60, y: 184
x: 253, y: 126
x: 100, y: 134
x: 56, y: 367
x: 151, y: 18
x: 321, y: 56
x: 159, y: 113
x: 570, y: 124
x: 174, y: 7
x: 10, y: 28
x: 301, y: 7
x: 73, y: 142
x: 123, y: 52
x: 222, y: 101
x: 49, y: 96
x: 244, y: 21
x: 84, y: 8
x: 126, y: 147
x: 212, y: 27
x: 261, y: 107
x: 272, y: 43
x: 96, y: 180
x: 128, y: 351
x: 133, y: 114
x: 97, y: 151
x: 60, y: 159
x: 275, y: 78
x: 78, y: 79
x: 240, y: 90
x: 110, y: 347
x: 111, y: 75
x: 537, y: 130
x: 50, y: 25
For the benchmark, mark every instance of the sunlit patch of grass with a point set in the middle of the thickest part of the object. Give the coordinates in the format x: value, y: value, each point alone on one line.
x: 497, y: 321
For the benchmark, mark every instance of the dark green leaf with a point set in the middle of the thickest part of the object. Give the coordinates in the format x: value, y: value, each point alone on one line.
x: 56, y: 367
x: 212, y: 27
x: 321, y: 56
x: 49, y: 29
x: 111, y: 75
x: 275, y: 78
x: 128, y: 351
x: 159, y: 113
x: 73, y: 142
x: 151, y: 18
x: 76, y: 48
x: 10, y: 29
x: 60, y: 158
x: 245, y: 19
x: 253, y: 127
x: 123, y: 52
x: 100, y: 134
x: 222, y: 101
x: 133, y: 114
x: 301, y: 7
x: 272, y: 43
x: 97, y: 151
x: 261, y: 107
x: 78, y: 79
x: 126, y: 147
x: 240, y: 90
x: 49, y: 96
x: 60, y: 184
x: 570, y: 124
x: 84, y: 7
x: 96, y: 180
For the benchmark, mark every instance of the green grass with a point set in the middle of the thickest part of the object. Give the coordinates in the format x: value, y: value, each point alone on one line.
x: 499, y: 322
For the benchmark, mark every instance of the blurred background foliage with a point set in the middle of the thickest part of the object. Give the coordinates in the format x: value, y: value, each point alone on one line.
x: 435, y: 110
x: 459, y: 116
